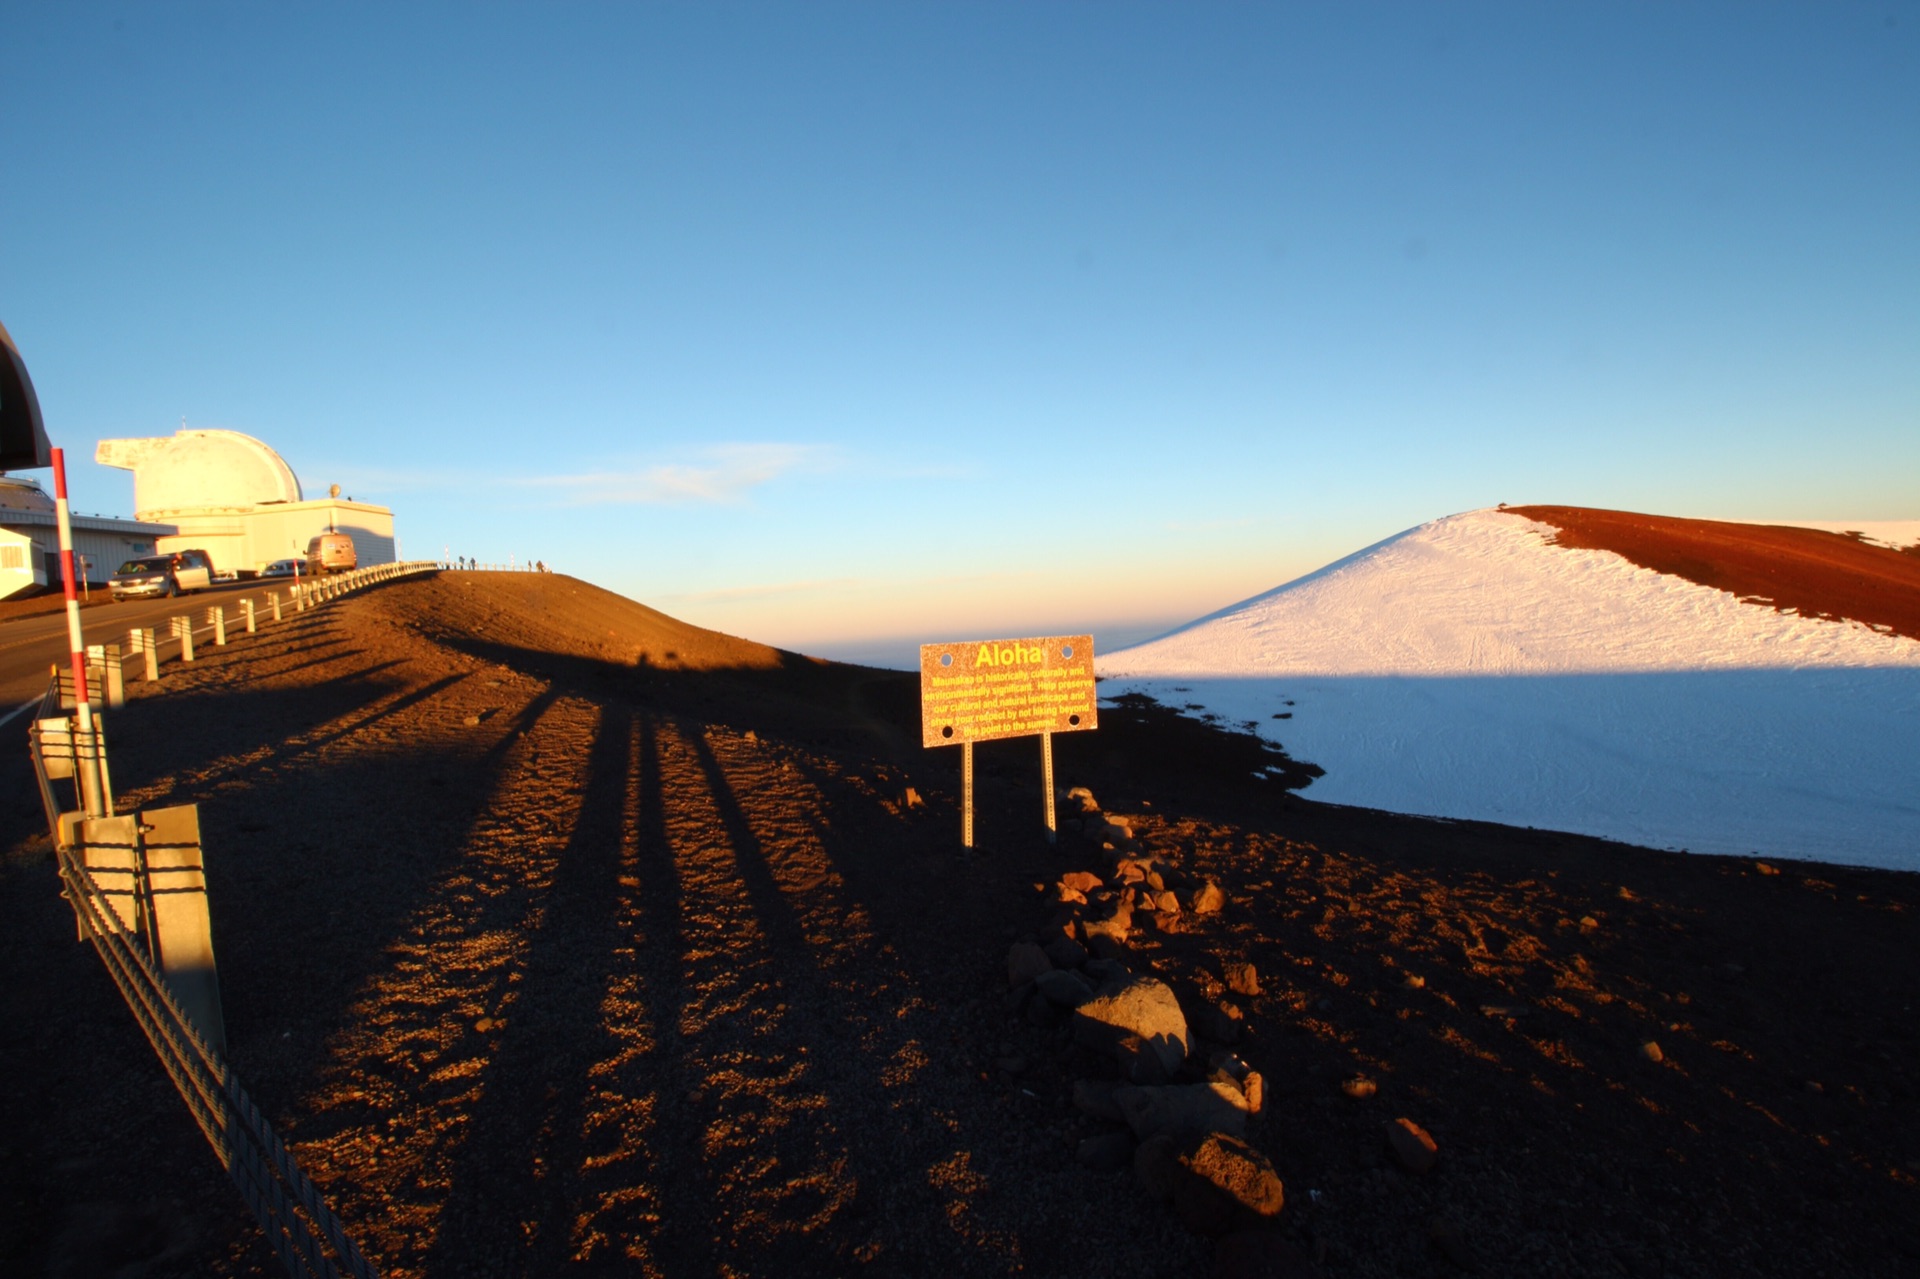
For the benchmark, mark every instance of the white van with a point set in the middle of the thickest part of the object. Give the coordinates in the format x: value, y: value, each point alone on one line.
x: 331, y: 553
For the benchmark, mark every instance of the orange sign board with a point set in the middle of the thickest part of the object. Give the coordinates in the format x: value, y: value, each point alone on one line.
x: 980, y: 690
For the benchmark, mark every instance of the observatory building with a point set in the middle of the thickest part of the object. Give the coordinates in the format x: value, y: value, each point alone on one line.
x: 30, y: 539
x: 233, y: 497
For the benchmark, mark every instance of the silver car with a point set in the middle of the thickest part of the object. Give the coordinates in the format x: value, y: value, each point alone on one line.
x: 170, y: 574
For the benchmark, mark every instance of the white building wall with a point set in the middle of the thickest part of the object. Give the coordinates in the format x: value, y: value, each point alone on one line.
x: 101, y: 544
x: 248, y: 541
x: 21, y: 568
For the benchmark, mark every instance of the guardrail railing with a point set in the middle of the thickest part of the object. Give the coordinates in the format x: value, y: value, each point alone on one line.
x: 137, y: 887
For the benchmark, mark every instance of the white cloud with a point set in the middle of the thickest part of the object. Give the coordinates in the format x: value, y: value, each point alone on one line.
x: 720, y: 475
x: 724, y: 474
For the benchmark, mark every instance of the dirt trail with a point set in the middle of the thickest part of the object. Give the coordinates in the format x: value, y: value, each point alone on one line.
x: 545, y: 958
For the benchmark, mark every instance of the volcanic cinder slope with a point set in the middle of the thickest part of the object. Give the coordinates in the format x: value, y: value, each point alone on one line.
x: 1499, y: 665
x: 559, y: 937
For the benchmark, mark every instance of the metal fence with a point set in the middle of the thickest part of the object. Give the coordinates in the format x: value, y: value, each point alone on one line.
x: 129, y: 929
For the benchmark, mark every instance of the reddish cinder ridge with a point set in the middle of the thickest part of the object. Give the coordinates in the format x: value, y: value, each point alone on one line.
x: 1794, y: 570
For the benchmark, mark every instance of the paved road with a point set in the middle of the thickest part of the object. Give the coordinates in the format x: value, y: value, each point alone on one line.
x: 29, y: 645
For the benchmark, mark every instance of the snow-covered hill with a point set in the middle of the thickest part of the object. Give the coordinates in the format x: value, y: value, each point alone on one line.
x: 1467, y: 668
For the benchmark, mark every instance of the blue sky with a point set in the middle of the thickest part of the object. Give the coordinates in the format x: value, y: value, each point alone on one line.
x: 848, y: 326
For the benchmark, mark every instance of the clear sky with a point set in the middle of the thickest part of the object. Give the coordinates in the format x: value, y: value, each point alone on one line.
x: 850, y: 326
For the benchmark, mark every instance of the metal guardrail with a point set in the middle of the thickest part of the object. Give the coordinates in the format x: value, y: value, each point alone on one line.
x: 181, y: 632
x: 302, y: 1230
x: 319, y: 590
x: 129, y: 936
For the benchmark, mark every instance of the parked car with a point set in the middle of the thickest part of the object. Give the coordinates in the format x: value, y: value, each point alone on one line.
x: 172, y: 573
x: 282, y: 568
x: 331, y: 553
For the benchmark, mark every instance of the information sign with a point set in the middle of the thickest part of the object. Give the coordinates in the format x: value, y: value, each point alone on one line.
x: 982, y: 690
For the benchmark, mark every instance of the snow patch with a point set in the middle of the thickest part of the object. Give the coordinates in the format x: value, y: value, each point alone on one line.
x: 1469, y: 669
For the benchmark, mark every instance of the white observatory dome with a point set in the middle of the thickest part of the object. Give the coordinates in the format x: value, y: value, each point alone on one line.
x: 200, y: 471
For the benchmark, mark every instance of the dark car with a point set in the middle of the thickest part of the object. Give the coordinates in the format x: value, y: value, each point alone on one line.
x: 169, y: 574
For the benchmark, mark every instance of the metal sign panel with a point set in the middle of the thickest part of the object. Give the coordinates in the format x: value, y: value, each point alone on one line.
x: 980, y: 690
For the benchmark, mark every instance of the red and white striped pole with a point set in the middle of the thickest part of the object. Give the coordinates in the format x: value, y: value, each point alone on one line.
x: 86, y: 751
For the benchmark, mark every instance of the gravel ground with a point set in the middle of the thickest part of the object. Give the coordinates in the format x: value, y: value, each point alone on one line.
x: 557, y: 937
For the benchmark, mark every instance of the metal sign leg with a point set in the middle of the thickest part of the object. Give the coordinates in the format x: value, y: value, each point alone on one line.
x: 966, y: 794
x: 1046, y: 780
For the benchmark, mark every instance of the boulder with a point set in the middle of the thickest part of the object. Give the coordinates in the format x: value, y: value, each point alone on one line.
x: 1082, y: 796
x: 1219, y: 1022
x: 1214, y: 1182
x: 1183, y: 1110
x: 1153, y: 1164
x: 1242, y: 979
x: 1109, y: 1152
x: 1207, y: 899
x: 1254, y: 1089
x: 1114, y: 925
x: 1139, y: 1023
x: 1160, y: 921
x: 1220, y: 1180
x: 1025, y: 961
x: 1065, y: 922
x: 1065, y: 952
x: 1228, y: 1068
x: 1085, y: 881
x: 1412, y: 1148
x: 1064, y: 987
x: 1095, y: 1097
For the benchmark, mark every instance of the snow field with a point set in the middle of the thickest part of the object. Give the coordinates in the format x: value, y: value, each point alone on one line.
x: 1468, y: 669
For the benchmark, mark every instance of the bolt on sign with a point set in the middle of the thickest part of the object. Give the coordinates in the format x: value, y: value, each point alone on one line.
x: 983, y: 690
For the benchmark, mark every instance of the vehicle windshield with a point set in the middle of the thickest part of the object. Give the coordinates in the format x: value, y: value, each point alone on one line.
x: 157, y: 565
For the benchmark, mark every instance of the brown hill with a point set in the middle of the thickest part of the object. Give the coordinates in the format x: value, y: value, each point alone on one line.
x: 553, y: 613
x: 1797, y: 570
x: 546, y: 960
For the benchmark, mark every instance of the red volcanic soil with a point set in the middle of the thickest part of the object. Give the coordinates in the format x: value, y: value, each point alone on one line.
x: 1798, y: 570
x: 557, y: 936
x: 49, y: 601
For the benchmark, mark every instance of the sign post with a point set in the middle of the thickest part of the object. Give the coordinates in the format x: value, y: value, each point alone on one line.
x: 91, y: 797
x: 1046, y: 780
x: 983, y: 690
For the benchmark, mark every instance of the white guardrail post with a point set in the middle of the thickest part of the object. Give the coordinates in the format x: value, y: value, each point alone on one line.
x: 140, y: 640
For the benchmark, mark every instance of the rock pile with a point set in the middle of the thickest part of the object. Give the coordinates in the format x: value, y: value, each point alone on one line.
x: 1184, y: 1119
